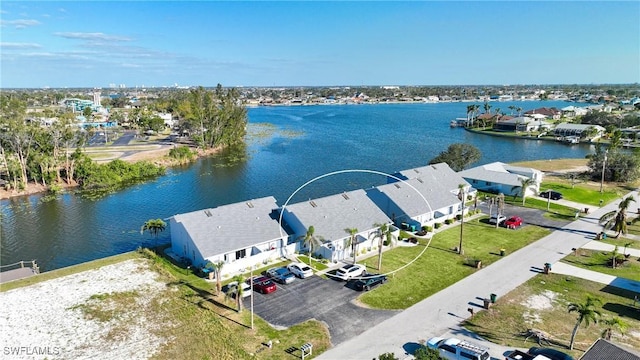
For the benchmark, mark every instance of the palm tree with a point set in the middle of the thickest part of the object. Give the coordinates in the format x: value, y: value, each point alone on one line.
x: 629, y: 244
x: 611, y: 324
x: 487, y: 107
x: 512, y: 107
x: 519, y: 110
x: 154, y: 227
x: 461, y: 197
x: 311, y: 242
x: 239, y: 291
x: 617, y: 219
x: 352, y: 242
x: 383, y: 232
x: 218, y: 265
x: 586, y: 314
x: 525, y: 184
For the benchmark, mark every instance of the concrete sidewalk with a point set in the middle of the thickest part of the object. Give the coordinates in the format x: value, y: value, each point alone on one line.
x: 443, y: 311
x: 567, y: 269
x: 600, y: 246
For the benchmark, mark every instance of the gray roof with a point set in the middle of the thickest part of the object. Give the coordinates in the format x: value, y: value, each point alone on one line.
x: 232, y: 227
x: 437, y: 173
x: 571, y: 126
x: 603, y: 349
x: 495, y: 172
x: 331, y: 215
x: 408, y: 194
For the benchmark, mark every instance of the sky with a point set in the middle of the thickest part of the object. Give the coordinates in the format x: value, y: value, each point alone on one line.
x: 304, y: 43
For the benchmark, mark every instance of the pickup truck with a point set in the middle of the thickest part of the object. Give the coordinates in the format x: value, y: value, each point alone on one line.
x: 519, y: 355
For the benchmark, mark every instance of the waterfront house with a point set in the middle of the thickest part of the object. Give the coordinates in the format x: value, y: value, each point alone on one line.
x: 579, y: 130
x: 498, y: 177
x: 572, y: 111
x: 521, y: 123
x: 548, y: 113
x: 331, y: 216
x: 426, y: 195
x: 242, y: 235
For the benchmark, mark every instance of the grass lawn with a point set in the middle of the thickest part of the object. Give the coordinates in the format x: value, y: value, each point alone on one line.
x: 583, y: 194
x: 600, y: 261
x: 556, y: 211
x: 553, y: 165
x: 315, y: 264
x: 541, y: 303
x: 440, y: 266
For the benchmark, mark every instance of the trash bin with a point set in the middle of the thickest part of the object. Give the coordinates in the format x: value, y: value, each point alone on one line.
x: 493, y: 298
x: 487, y: 303
x: 547, y: 268
x: 502, y: 252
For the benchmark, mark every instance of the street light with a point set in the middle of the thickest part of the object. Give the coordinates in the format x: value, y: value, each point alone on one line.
x: 603, y: 167
x: 548, y: 198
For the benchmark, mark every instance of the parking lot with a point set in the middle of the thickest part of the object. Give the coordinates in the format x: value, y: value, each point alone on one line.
x: 325, y: 300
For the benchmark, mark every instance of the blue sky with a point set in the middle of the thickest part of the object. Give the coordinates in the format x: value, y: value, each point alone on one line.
x: 161, y: 43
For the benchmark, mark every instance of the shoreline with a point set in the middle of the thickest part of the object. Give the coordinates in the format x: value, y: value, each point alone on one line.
x: 156, y: 156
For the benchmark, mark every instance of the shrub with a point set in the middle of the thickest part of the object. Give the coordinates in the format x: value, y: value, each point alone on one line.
x: 459, y: 217
x: 448, y: 221
x: 181, y: 153
x: 437, y: 225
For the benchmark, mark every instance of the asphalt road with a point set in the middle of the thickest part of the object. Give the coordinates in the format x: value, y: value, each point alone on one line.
x: 325, y: 300
x: 125, y: 138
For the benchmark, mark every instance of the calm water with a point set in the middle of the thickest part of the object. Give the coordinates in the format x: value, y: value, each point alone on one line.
x: 309, y: 141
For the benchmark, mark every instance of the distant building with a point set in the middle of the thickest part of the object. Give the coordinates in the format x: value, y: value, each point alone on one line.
x: 498, y: 177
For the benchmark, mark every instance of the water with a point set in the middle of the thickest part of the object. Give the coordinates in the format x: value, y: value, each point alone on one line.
x: 309, y: 141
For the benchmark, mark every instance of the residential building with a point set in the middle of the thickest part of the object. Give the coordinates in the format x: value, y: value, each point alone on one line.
x: 331, y: 216
x: 580, y: 130
x: 241, y: 235
x: 604, y: 349
x: 502, y: 178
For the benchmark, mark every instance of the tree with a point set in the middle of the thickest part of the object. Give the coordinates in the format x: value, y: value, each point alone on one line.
x: 311, y: 242
x: 425, y: 353
x: 617, y: 219
x: 238, y: 291
x: 218, y: 266
x: 384, y: 234
x: 458, y: 156
x: 352, y: 242
x: 461, y: 197
x: 387, y: 356
x: 614, y: 323
x: 525, y: 184
x: 586, y: 314
x: 154, y: 227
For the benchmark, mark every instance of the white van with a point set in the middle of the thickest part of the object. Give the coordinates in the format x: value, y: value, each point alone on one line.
x: 456, y: 349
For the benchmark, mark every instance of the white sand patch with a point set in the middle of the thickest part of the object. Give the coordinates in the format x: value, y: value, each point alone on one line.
x: 46, y: 320
x: 536, y: 303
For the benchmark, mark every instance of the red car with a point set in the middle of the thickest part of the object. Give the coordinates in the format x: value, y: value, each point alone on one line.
x: 263, y: 284
x: 513, y: 222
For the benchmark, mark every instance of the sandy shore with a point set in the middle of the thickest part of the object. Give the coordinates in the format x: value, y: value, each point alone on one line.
x: 50, y: 319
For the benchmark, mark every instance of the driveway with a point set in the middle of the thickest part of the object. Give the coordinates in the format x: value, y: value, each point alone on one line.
x: 329, y: 301
x: 529, y: 216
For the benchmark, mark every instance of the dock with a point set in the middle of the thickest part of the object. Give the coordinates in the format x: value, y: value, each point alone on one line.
x: 17, y: 271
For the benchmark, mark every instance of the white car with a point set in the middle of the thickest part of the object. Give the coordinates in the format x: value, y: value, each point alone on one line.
x: 350, y: 271
x: 497, y: 219
x: 233, y: 286
x: 300, y: 270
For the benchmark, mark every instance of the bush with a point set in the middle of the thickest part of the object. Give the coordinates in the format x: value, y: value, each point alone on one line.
x: 448, y: 221
x: 459, y: 217
x: 182, y: 153
x: 437, y: 225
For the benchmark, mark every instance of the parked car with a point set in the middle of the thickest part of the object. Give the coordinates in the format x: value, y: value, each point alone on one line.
x: 350, y: 271
x: 497, y: 219
x: 263, y: 284
x: 552, y: 354
x: 369, y: 281
x: 550, y: 194
x: 232, y: 288
x: 300, y: 270
x: 513, y: 222
x: 456, y: 349
x: 281, y: 275
x: 519, y: 355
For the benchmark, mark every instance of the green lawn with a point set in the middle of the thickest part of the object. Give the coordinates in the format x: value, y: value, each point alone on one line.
x: 600, y: 261
x: 556, y: 211
x: 582, y: 194
x: 440, y: 266
x: 541, y: 303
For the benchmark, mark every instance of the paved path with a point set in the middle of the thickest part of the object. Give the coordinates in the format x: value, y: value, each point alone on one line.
x: 567, y: 269
x: 600, y: 246
x: 443, y: 311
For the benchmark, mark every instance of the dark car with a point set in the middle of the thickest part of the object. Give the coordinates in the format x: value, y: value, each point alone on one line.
x: 550, y: 194
x: 369, y: 281
x: 281, y: 275
x: 552, y: 354
x: 263, y: 284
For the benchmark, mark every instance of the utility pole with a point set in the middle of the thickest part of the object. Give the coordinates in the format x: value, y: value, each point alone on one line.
x: 461, y: 196
x: 603, y: 167
x: 251, y: 282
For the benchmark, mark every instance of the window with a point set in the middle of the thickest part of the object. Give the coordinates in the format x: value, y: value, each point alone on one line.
x: 241, y: 254
x: 448, y: 348
x: 468, y: 356
x: 489, y: 183
x: 226, y: 258
x: 474, y: 181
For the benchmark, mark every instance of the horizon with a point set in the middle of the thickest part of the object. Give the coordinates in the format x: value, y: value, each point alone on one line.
x: 106, y: 44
